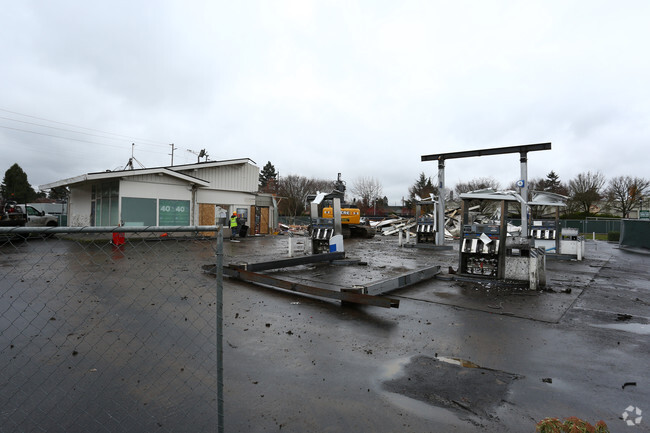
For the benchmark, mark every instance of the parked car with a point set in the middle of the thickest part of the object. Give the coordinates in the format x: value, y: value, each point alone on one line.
x: 36, y: 218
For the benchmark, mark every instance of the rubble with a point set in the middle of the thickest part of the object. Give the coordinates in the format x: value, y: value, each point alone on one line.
x: 292, y: 229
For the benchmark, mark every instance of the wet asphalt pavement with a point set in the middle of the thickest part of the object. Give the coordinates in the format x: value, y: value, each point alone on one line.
x: 106, y: 339
x: 455, y: 356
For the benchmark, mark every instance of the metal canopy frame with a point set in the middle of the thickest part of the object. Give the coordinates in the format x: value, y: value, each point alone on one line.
x: 487, y: 152
x: 522, y: 149
x: 369, y: 294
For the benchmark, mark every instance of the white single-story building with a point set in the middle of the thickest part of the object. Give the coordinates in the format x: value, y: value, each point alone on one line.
x: 205, y: 193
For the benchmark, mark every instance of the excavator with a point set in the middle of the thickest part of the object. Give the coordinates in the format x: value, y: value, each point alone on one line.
x: 350, y: 214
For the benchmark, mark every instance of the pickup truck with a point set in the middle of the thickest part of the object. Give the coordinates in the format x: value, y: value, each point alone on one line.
x: 11, y: 215
x: 36, y: 218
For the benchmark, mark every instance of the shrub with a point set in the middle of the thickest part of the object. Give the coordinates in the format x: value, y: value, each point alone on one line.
x: 613, y: 236
x: 570, y: 425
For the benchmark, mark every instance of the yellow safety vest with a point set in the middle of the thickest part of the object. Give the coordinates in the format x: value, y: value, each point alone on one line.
x: 233, y: 222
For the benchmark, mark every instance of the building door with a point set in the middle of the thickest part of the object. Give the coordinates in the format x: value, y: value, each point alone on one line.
x: 207, y: 216
x: 262, y: 220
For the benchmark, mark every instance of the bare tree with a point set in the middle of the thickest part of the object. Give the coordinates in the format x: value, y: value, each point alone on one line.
x: 586, y: 189
x: 293, y: 191
x: 625, y: 193
x: 322, y: 185
x: 476, y: 184
x: 369, y: 191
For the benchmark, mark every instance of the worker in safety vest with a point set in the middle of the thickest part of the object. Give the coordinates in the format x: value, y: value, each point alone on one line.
x: 234, y: 228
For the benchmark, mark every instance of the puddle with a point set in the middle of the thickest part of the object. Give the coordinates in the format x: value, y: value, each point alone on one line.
x: 637, y: 328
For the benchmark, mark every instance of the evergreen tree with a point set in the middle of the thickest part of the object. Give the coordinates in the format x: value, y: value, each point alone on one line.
x: 58, y: 193
x: 422, y: 188
x: 268, y: 179
x: 16, y: 187
x: 553, y: 184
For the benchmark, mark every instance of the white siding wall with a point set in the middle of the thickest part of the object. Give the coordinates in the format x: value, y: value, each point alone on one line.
x: 238, y: 177
x: 129, y: 188
x: 225, y: 197
x: 79, y: 206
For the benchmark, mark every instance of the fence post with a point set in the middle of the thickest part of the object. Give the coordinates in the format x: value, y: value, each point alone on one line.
x: 220, y: 331
x: 290, y: 243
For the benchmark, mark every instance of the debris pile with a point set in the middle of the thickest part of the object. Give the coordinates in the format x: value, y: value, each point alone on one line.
x: 292, y: 229
x: 394, y: 224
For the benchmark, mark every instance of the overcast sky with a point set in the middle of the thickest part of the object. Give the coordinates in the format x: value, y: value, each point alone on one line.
x: 364, y: 88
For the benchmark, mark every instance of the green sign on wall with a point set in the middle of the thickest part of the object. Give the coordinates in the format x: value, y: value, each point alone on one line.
x: 644, y: 214
x: 174, y: 212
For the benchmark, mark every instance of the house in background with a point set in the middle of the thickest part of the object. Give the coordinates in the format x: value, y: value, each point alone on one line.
x: 205, y: 193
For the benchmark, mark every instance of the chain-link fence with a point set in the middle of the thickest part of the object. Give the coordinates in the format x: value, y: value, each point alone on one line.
x: 108, y: 332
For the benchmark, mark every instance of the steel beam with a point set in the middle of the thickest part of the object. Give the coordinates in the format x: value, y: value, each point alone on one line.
x: 286, y: 263
x: 345, y: 296
x: 486, y: 152
x: 400, y: 281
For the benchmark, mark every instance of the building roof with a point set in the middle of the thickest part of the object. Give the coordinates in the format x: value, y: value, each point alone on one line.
x: 172, y: 171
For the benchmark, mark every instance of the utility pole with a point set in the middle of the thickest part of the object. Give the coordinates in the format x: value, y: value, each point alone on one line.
x: 173, y: 149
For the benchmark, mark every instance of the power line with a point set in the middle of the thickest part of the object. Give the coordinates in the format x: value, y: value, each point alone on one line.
x: 63, y: 129
x: 68, y: 138
x: 82, y: 127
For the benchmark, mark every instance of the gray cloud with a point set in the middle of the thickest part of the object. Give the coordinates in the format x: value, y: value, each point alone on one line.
x: 316, y: 88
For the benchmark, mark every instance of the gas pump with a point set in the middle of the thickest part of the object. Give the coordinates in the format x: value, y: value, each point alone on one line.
x: 323, y: 230
x: 548, y: 233
x: 482, y: 246
x: 425, y: 223
x: 480, y: 250
x: 544, y: 232
x: 487, y: 251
